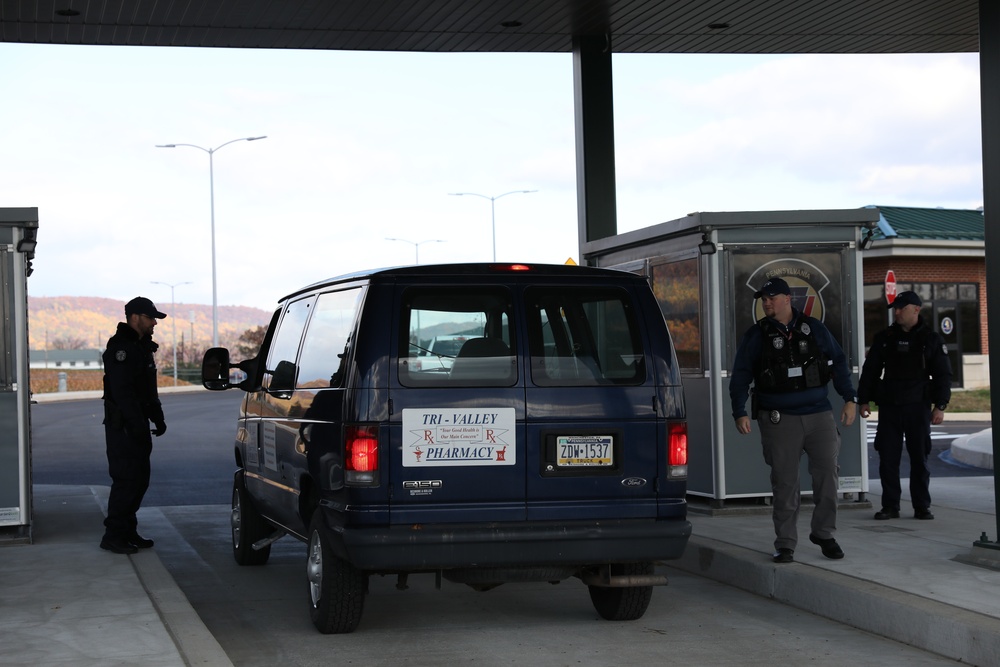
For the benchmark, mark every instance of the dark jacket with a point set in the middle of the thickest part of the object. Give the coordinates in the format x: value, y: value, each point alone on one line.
x: 130, y: 397
x: 905, y: 367
x: 808, y: 401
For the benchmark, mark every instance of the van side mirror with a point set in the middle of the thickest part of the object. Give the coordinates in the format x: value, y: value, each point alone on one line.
x: 215, y: 369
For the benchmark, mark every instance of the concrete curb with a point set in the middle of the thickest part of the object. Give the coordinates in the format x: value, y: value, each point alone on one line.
x: 195, y: 643
x: 974, y: 449
x: 84, y: 395
x: 926, y: 624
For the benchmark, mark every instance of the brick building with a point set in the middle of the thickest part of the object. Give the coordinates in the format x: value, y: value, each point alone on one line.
x: 941, y: 255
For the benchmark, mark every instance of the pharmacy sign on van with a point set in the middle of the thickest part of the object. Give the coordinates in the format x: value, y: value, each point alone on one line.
x: 451, y: 437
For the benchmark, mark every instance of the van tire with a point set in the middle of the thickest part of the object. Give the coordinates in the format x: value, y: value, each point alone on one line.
x: 623, y: 604
x: 248, y: 526
x: 336, y: 588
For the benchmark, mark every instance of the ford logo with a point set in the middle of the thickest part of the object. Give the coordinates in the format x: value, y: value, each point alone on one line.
x: 633, y: 482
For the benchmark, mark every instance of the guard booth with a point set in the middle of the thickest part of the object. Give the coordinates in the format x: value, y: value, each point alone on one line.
x: 704, y: 269
x: 18, y: 233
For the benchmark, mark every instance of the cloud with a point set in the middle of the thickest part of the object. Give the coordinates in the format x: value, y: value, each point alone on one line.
x: 841, y: 120
x: 364, y: 146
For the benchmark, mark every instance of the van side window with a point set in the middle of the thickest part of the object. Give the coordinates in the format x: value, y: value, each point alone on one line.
x: 583, y: 337
x: 457, y: 337
x: 285, y: 346
x: 327, y: 339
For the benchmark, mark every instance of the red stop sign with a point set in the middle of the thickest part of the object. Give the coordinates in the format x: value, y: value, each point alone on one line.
x: 890, y: 286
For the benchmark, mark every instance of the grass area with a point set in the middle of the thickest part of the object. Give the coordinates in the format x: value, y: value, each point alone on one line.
x: 46, y: 380
x: 973, y: 400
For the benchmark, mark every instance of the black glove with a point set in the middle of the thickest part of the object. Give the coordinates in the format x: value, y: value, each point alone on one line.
x: 161, y: 428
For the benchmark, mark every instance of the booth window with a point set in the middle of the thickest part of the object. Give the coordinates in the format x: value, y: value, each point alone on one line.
x: 951, y: 309
x: 677, y: 289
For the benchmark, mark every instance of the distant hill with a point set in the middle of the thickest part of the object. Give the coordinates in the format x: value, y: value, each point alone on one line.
x: 78, y: 322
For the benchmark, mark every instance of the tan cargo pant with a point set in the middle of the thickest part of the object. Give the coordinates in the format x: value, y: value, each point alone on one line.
x: 817, y: 436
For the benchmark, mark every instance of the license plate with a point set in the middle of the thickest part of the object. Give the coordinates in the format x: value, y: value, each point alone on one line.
x: 585, y: 451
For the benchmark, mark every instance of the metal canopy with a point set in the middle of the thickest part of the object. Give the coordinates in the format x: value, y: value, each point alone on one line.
x: 634, y: 26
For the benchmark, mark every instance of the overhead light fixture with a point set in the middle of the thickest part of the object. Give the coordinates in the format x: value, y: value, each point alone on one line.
x: 867, y: 241
x: 70, y: 12
x: 706, y: 247
x: 511, y: 24
x: 27, y: 245
x: 718, y: 26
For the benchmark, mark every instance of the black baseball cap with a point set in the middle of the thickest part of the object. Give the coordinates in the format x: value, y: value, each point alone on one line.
x: 772, y: 287
x: 907, y: 298
x: 140, y: 305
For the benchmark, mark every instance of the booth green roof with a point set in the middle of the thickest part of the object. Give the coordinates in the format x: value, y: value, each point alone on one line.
x: 939, y: 224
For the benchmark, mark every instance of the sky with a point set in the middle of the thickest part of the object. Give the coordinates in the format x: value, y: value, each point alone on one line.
x: 364, y: 146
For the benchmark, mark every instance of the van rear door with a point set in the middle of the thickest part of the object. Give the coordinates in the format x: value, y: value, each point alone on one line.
x: 592, y: 445
x: 456, y: 447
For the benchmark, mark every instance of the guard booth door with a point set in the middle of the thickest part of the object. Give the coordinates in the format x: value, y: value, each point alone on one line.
x: 824, y: 285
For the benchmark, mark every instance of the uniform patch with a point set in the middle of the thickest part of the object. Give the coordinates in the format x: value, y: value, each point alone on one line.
x: 944, y: 349
x: 778, y: 343
x: 805, y: 328
x: 120, y: 355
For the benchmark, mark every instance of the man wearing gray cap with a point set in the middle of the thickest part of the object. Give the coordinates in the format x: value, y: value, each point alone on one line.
x: 131, y: 402
x: 908, y: 374
x: 789, y: 358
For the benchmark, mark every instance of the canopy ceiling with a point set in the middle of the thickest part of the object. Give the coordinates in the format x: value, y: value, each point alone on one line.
x: 635, y: 26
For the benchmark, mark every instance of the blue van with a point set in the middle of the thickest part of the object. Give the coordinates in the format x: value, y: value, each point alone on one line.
x: 551, y: 444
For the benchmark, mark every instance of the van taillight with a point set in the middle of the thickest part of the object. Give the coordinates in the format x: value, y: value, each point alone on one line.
x: 677, y: 450
x: 361, y: 455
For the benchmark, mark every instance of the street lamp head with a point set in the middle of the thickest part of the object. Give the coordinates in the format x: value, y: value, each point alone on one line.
x: 166, y: 145
x: 256, y: 138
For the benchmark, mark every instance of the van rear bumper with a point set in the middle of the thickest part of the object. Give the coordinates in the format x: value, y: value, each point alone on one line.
x: 430, y: 547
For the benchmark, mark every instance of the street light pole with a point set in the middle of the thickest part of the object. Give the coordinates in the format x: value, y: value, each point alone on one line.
x: 493, y: 212
x: 416, y: 246
x: 211, y: 194
x: 173, y: 318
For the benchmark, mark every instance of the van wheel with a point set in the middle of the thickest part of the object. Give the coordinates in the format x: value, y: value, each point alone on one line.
x: 248, y: 526
x: 336, y: 588
x: 623, y: 604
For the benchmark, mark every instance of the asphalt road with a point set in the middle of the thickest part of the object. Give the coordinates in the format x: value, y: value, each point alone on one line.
x: 192, y: 462
x: 260, y: 616
x: 939, y: 462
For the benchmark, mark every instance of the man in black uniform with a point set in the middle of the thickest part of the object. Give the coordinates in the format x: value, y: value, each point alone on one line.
x: 130, y: 404
x: 908, y: 374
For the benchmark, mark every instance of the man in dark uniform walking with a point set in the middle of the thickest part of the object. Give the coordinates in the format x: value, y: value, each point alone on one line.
x: 789, y: 358
x: 130, y: 404
x: 908, y: 374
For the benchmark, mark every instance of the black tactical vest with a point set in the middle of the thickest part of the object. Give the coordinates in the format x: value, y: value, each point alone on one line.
x: 790, y: 363
x: 904, y: 355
